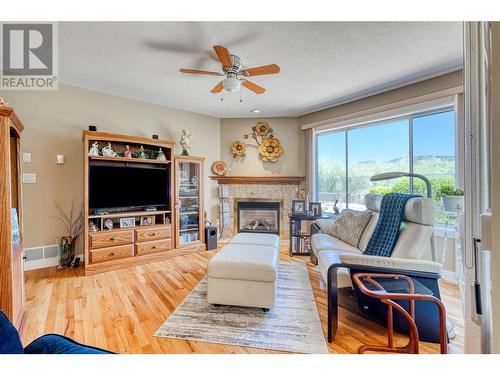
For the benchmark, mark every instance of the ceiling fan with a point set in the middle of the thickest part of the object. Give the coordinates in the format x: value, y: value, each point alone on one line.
x: 234, y: 73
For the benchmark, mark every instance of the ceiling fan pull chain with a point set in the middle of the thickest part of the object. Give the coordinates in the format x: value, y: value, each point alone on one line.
x: 241, y: 100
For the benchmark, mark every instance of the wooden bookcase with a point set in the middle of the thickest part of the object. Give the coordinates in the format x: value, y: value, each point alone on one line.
x: 189, y: 214
x: 11, y: 219
x: 111, y: 246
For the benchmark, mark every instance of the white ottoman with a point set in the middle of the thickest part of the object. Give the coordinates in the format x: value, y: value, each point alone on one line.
x: 261, y: 239
x: 243, y: 275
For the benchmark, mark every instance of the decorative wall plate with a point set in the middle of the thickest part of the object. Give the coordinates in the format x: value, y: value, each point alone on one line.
x: 219, y: 168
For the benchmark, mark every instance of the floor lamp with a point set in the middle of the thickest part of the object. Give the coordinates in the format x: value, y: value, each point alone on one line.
x: 393, y: 175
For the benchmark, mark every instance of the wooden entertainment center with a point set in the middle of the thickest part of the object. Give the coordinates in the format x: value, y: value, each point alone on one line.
x: 118, y: 237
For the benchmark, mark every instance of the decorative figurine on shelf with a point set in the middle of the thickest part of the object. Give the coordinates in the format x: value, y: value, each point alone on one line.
x: 108, y: 223
x: 161, y: 155
x: 142, y: 154
x: 3, y: 103
x: 205, y: 219
x: 128, y: 153
x: 185, y: 142
x: 92, y: 227
x: 94, y: 149
x: 108, y: 151
x: 167, y: 220
x: 335, y: 208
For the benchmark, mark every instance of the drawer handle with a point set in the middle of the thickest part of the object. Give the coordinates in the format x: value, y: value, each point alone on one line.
x: 154, y: 247
x: 112, y: 238
x: 112, y: 254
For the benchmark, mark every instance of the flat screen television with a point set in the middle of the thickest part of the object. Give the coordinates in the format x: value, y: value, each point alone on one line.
x: 128, y: 187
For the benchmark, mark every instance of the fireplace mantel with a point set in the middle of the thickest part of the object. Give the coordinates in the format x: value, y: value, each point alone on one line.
x: 262, y: 180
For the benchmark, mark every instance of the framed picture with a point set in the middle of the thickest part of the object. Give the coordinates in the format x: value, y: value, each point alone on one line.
x: 127, y: 222
x: 148, y: 220
x: 298, y: 207
x: 315, y: 208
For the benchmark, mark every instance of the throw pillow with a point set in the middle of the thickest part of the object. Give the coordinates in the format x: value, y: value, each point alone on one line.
x: 350, y: 226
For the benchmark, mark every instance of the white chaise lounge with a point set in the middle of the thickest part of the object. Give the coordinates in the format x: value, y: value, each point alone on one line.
x: 244, y: 272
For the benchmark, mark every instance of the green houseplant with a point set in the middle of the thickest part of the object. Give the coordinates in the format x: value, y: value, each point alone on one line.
x: 73, y: 223
x: 451, y: 198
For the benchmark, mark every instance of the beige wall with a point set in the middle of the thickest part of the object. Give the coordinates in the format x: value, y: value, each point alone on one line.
x: 443, y: 82
x: 291, y: 162
x: 495, y: 184
x: 54, y: 121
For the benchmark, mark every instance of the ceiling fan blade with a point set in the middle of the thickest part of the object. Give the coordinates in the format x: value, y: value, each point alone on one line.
x: 223, y: 55
x: 262, y: 70
x: 217, y: 88
x: 252, y: 86
x: 196, y: 71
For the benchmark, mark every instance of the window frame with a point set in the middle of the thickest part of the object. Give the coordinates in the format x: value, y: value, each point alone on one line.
x: 381, y: 121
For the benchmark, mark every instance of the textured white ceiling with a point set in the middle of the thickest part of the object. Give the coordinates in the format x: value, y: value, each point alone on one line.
x: 321, y: 62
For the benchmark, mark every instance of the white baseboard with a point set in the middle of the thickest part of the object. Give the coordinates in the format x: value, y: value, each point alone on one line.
x: 41, y: 263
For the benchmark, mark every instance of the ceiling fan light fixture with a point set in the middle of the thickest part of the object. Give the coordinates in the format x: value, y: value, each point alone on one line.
x: 231, y: 83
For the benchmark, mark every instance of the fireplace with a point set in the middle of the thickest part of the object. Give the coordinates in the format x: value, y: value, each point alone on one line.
x: 258, y: 217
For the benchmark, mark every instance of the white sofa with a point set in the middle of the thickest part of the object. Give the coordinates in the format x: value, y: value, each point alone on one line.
x: 244, y: 272
x: 335, y: 257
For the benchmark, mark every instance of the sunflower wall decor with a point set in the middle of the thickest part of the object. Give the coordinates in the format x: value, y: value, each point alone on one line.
x: 268, y: 145
x: 239, y: 149
x: 270, y: 149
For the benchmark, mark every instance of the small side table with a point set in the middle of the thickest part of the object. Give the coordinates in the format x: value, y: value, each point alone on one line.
x: 390, y: 287
x: 300, y: 235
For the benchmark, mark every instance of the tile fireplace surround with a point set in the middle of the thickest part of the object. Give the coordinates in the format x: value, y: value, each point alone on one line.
x: 265, y: 189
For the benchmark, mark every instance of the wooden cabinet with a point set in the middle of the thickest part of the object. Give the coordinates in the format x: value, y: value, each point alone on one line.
x: 156, y: 233
x: 11, y: 224
x: 111, y: 238
x: 189, y: 214
x: 143, y: 248
x: 111, y: 253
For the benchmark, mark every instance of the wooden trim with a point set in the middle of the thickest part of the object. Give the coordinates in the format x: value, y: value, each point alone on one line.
x: 385, y: 107
x: 9, y: 112
x: 110, y: 137
x: 136, y: 260
x: 189, y: 158
x: 263, y: 180
x: 129, y: 160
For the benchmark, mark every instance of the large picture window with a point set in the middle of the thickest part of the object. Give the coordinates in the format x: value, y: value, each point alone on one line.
x: 346, y: 159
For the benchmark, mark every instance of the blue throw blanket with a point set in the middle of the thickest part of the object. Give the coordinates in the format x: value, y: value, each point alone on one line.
x: 386, y: 232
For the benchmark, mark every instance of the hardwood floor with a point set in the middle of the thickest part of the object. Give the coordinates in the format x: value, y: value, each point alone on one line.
x: 120, y: 310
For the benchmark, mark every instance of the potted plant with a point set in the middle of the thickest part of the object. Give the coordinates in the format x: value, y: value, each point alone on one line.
x: 452, y: 199
x: 73, y: 223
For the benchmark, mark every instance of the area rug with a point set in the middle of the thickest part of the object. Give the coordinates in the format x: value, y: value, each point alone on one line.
x: 292, y: 325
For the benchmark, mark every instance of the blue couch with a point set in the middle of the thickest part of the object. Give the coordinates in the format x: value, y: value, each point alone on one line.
x: 10, y: 343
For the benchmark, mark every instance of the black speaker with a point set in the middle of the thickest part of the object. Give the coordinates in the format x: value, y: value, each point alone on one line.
x: 211, y: 238
x: 155, y: 136
x: 92, y: 128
